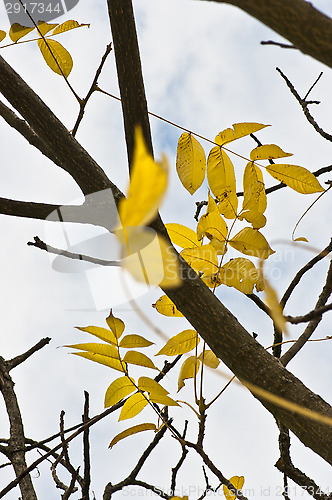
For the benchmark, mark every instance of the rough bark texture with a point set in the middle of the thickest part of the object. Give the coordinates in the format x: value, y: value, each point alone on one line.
x: 217, y: 326
x: 297, y: 20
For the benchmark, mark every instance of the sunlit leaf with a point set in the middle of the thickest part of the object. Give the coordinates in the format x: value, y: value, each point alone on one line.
x: 44, y: 28
x: 103, y: 360
x: 213, y: 226
x: 132, y: 430
x: 190, y: 162
x: 181, y: 235
x: 254, y: 196
x: 239, y: 130
x: 257, y: 219
x: 179, y: 344
x: 134, y: 340
x: 148, y: 183
x: 301, y: 238
x: 138, y: 358
x: 151, y: 386
x: 104, y: 349
x: 237, y: 482
x: 209, y: 359
x: 56, y: 56
x: 133, y: 406
x: 116, y: 325
x: 165, y: 306
x: 298, y: 178
x: 2, y: 35
x: 67, y: 25
x: 119, y: 389
x: 100, y: 333
x: 251, y: 242
x: 221, y: 178
x: 268, y: 152
x: 18, y: 31
x: 189, y: 369
x: 203, y: 259
x: 150, y: 259
x: 239, y: 273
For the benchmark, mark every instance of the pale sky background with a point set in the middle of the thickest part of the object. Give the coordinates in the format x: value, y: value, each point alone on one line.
x: 204, y: 69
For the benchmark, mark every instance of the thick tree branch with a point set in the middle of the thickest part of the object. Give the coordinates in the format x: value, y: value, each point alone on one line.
x: 298, y: 21
x: 218, y: 327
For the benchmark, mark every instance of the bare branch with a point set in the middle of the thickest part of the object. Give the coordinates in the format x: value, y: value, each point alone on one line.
x: 309, y: 316
x: 278, y: 44
x: 86, y: 450
x: 12, y: 363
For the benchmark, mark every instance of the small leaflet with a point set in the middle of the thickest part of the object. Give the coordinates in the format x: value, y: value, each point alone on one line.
x: 133, y: 406
x: 190, y: 162
x: 181, y: 343
x: 131, y: 431
x: 165, y: 306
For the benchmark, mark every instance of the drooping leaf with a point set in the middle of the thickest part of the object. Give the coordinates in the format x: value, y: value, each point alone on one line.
x: 189, y: 369
x: 119, y: 389
x: 209, y: 359
x: 268, y: 152
x: 18, y: 31
x: 237, y: 482
x: 213, y: 226
x: 221, y: 178
x: 103, y: 360
x: 66, y: 26
x: 116, y: 325
x: 151, y: 259
x: 94, y: 348
x: 203, y: 259
x: 138, y: 358
x: 56, y: 56
x: 239, y: 273
x: 134, y: 340
x: 183, y: 342
x: 133, y: 406
x: 148, y: 183
x: 190, y: 162
x: 298, y: 178
x: 165, y: 306
x: 100, y: 333
x: 181, y: 235
x: 2, y: 35
x: 254, y: 196
x: 251, y: 242
x: 44, y: 28
x: 239, y: 130
x: 132, y: 430
x: 256, y: 219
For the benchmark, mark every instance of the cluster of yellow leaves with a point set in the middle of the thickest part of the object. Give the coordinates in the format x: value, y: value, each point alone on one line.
x: 54, y: 54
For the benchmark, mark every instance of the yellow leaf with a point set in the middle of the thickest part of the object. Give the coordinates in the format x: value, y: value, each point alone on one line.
x: 148, y: 183
x: 116, y: 325
x: 239, y: 273
x: 133, y: 406
x: 134, y: 340
x: 254, y: 196
x: 239, y: 130
x: 67, y: 25
x: 100, y: 333
x: 151, y: 386
x: 221, y: 178
x: 165, y: 306
x: 18, y: 31
x: 151, y: 259
x: 182, y: 236
x: 44, y: 28
x: 268, y: 152
x: 103, y: 360
x: 190, y: 162
x: 2, y: 35
x: 237, y: 482
x: 119, y: 389
x: 203, y: 259
x: 301, y: 238
x: 257, y: 219
x: 163, y: 400
x: 209, y: 359
x: 213, y: 226
x: 251, y: 242
x: 179, y: 498
x: 132, y: 430
x: 104, y: 349
x: 273, y: 303
x: 189, y: 369
x: 179, y: 344
x: 298, y: 178
x: 56, y: 56
x: 138, y: 358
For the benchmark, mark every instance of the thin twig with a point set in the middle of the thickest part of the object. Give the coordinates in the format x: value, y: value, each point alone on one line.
x: 86, y: 451
x: 278, y: 44
x: 309, y: 316
x: 12, y: 363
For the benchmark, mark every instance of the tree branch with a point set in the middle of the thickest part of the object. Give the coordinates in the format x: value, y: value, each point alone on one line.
x: 12, y: 363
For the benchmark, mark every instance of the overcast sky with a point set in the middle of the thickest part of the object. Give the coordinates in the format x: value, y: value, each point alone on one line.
x: 204, y: 69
